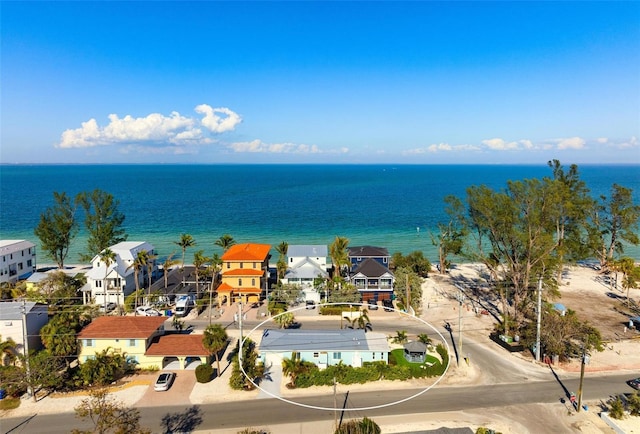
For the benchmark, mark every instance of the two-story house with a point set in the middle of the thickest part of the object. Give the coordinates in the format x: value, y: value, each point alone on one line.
x: 112, y: 283
x: 245, y: 273
x: 17, y: 260
x: 370, y: 272
x: 305, y: 264
x: 143, y: 341
x: 23, y: 320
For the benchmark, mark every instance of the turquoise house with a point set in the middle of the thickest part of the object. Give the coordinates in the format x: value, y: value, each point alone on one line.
x: 323, y: 347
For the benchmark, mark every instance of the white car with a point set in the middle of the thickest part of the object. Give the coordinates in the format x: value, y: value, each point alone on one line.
x: 147, y: 311
x: 164, y: 381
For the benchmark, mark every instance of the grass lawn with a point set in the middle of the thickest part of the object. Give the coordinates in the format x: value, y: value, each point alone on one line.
x: 398, y: 355
x: 9, y: 403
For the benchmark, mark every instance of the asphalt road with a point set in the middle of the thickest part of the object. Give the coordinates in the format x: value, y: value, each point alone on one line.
x: 272, y: 411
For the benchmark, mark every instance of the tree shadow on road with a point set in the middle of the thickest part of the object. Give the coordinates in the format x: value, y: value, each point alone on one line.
x: 184, y: 422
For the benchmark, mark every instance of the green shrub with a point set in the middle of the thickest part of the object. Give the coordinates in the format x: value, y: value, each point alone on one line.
x: 616, y: 408
x: 204, y: 372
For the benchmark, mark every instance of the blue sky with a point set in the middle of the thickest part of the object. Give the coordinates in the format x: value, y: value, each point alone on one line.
x: 320, y: 82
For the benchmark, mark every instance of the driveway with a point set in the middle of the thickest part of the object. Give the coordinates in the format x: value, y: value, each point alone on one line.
x: 178, y: 394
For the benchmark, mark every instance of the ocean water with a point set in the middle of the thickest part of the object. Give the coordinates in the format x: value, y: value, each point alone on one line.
x: 394, y: 206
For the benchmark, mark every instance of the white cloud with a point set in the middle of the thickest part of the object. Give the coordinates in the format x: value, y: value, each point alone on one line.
x: 440, y: 147
x: 153, y: 130
x: 214, y: 122
x: 498, y: 144
x: 275, y: 148
x: 571, y: 143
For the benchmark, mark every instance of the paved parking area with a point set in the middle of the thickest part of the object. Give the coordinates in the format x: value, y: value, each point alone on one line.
x: 178, y: 394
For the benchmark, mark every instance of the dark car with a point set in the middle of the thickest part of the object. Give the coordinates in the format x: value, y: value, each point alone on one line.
x: 635, y: 383
x: 164, y: 381
x: 388, y: 305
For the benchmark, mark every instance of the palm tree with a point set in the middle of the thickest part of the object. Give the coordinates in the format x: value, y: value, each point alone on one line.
x: 215, y: 339
x: 168, y: 263
x: 185, y: 242
x: 198, y: 261
x: 282, y: 249
x: 400, y: 337
x: 294, y: 367
x: 225, y: 242
x: 151, y: 262
x: 138, y: 265
x: 285, y: 320
x: 339, y: 254
x: 107, y: 256
x: 8, y: 351
x: 363, y: 320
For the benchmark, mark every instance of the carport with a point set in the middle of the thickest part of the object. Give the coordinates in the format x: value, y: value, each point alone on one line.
x: 179, y: 351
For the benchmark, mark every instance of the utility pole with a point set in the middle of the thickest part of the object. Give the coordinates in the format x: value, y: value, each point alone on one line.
x: 539, y: 319
x: 585, y: 360
x: 25, y: 347
x: 240, y: 320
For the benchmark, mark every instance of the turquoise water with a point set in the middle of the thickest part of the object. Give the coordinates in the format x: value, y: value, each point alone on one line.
x: 391, y: 206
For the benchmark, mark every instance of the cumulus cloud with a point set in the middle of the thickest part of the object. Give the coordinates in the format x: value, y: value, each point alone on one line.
x: 440, y: 147
x: 571, y: 143
x: 153, y: 130
x: 500, y: 144
x: 275, y: 148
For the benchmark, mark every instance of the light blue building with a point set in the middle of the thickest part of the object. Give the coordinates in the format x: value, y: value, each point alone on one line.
x: 323, y: 347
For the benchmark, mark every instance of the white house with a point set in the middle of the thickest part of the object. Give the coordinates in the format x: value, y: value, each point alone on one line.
x: 118, y: 277
x: 323, y: 347
x: 305, y: 263
x: 23, y: 319
x: 17, y: 260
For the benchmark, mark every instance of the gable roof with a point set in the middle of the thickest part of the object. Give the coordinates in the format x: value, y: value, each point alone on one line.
x: 247, y: 252
x: 306, y: 268
x: 312, y: 250
x: 177, y: 345
x: 289, y: 340
x: 372, y: 268
x: 368, y: 252
x: 122, y: 327
x: 125, y: 251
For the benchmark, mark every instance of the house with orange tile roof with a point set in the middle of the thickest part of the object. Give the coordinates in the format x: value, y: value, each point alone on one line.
x: 245, y: 270
x: 143, y: 341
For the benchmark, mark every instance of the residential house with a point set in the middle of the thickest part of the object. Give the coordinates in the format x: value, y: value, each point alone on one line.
x: 119, y: 277
x: 143, y: 341
x: 245, y: 271
x: 323, y: 347
x: 20, y: 319
x: 370, y: 272
x: 17, y: 260
x: 306, y: 263
x: 373, y: 281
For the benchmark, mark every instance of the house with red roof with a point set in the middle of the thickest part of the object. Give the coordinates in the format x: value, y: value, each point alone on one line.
x: 143, y: 341
x: 245, y: 270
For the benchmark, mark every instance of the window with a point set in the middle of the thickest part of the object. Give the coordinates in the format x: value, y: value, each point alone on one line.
x: 337, y: 355
x: 98, y: 283
x: 132, y: 342
x: 374, y: 355
x: 88, y: 342
x: 239, y: 282
x: 385, y: 260
x: 22, y: 252
x: 19, y: 265
x: 315, y: 355
x: 255, y: 265
x: 29, y: 263
x: 228, y: 265
x: 241, y: 264
x: 291, y: 260
x: 253, y: 282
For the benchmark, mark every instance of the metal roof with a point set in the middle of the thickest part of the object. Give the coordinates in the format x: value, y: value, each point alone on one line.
x: 279, y: 341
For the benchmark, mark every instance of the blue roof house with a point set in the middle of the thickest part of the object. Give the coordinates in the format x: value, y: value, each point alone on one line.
x: 323, y: 347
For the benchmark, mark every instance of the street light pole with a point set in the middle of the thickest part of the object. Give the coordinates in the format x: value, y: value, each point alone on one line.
x: 585, y: 360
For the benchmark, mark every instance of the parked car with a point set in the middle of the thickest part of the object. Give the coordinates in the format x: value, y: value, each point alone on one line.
x: 147, y: 311
x: 635, y: 383
x: 310, y: 304
x: 372, y: 305
x: 164, y: 381
x: 388, y: 305
x: 110, y: 306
